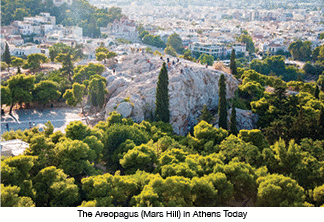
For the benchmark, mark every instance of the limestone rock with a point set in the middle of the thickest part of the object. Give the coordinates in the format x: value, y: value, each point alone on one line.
x: 125, y: 109
x: 245, y: 119
x: 191, y: 86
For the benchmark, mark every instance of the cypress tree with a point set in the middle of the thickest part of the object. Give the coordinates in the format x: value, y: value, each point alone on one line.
x: 162, y: 112
x: 233, y: 127
x: 233, y: 63
x: 206, y: 115
x: 316, y: 93
x: 222, y: 103
x: 6, y: 56
x: 93, y: 91
x: 320, y: 124
x: 101, y: 93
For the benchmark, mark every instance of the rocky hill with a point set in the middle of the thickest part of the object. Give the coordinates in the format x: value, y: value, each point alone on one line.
x: 191, y: 85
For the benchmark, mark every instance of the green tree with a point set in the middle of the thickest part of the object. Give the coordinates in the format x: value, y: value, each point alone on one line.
x: 17, y: 62
x: 153, y: 40
x: 20, y: 13
x: 74, y: 96
x: 6, y: 55
x: 100, y: 56
x: 142, y: 34
x: 320, y: 82
x: 206, y: 59
x: 187, y: 55
x: 20, y: 87
x: 251, y: 90
x: 84, y: 72
x: 205, y: 134
x: 49, y: 129
x: 203, y: 193
x: 162, y: 111
x: 114, y: 136
x: 111, y: 55
x: 233, y: 121
x: 222, y: 103
x: 206, y: 115
x: 169, y: 192
x: 318, y: 195
x: 321, y: 36
x: 58, y: 48
x: 16, y: 171
x: 96, y: 145
x: 247, y: 39
x: 34, y: 61
x: 320, y: 123
x: 300, y: 50
x: 6, y: 98
x: 279, y: 191
x: 141, y: 157
x: 3, y: 66
x: 170, y: 51
x: 233, y: 63
x: 55, y: 189
x: 243, y: 178
x: 175, y: 42
x: 46, y: 91
x: 255, y: 137
x: 67, y: 65
x: 97, y: 90
x: 76, y: 130
x: 233, y: 147
x: 10, y: 197
x: 75, y: 158
x: 317, y: 92
x: 222, y: 185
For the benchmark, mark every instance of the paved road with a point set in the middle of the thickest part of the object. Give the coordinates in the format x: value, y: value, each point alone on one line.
x: 59, y: 117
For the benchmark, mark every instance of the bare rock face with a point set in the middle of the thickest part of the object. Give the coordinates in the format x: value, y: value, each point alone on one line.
x: 245, y: 119
x: 125, y: 109
x: 191, y: 86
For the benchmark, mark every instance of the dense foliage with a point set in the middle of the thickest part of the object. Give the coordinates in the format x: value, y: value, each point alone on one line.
x: 80, y: 13
x: 149, y: 166
x: 121, y: 163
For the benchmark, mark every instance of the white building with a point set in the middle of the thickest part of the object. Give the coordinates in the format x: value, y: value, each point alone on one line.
x: 273, y: 48
x: 217, y: 50
x: 214, y: 50
x: 60, y: 2
x: 14, y: 40
x: 124, y: 28
x: 74, y: 31
x: 38, y: 25
x: 28, y: 49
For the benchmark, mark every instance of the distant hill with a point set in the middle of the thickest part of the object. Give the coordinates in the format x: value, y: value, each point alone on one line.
x: 80, y: 13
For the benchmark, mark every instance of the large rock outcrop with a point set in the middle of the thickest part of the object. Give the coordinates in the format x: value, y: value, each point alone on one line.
x: 191, y: 86
x: 245, y: 119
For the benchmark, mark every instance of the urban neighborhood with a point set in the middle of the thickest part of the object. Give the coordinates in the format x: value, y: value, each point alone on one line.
x: 179, y: 103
